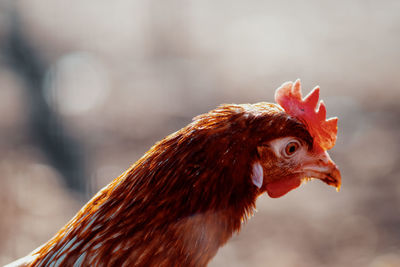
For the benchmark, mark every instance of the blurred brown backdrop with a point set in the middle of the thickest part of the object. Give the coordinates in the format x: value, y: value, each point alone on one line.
x: 86, y: 87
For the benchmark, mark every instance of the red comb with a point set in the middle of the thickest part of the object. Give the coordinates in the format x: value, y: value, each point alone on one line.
x: 309, y: 112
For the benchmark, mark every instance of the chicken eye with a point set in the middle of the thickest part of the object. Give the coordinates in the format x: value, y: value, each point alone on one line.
x: 291, y: 148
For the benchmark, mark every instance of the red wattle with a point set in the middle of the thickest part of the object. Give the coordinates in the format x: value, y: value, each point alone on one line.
x: 281, y: 187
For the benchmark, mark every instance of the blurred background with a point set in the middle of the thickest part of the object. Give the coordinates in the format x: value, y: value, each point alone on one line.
x: 86, y: 87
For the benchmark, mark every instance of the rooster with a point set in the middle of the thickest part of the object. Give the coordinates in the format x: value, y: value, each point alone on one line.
x: 193, y: 190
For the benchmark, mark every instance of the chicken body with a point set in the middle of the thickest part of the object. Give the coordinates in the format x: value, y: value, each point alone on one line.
x: 191, y: 191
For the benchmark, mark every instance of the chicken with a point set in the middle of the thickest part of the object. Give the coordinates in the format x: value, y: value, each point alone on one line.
x: 193, y: 190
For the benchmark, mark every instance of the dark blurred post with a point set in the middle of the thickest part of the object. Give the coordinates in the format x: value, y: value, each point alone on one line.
x: 47, y: 131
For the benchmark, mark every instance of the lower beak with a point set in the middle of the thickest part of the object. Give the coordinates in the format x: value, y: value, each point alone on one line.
x: 322, y: 167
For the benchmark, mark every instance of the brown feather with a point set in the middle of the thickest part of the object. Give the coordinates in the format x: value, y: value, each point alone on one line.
x: 181, y: 201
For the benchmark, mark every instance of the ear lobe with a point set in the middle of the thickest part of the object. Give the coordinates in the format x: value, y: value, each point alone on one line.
x: 257, y: 175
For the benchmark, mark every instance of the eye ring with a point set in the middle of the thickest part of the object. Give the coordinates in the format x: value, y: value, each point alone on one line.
x: 291, y: 148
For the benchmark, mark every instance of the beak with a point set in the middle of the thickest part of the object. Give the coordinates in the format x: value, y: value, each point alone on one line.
x: 322, y: 167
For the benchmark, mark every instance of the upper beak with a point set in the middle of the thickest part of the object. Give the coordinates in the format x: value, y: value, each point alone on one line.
x: 322, y: 167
